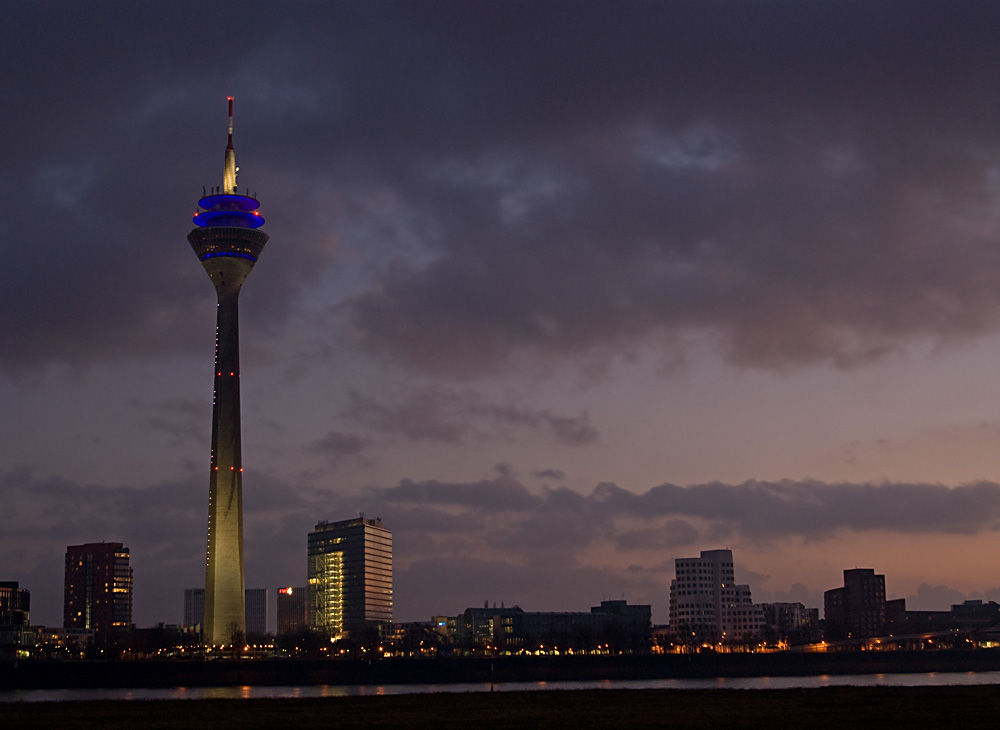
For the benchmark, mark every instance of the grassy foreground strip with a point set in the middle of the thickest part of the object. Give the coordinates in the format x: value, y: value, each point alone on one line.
x: 831, y: 707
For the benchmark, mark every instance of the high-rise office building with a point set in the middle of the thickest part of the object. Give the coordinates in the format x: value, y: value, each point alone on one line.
x: 256, y: 603
x: 350, y: 577
x: 97, y: 592
x: 291, y: 609
x: 194, y: 609
x: 705, y: 600
x: 228, y: 245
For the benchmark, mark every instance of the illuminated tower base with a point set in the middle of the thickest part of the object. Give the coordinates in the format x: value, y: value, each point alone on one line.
x: 228, y: 244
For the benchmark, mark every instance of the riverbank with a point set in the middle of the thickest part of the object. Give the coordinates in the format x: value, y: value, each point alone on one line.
x: 832, y: 707
x: 33, y: 674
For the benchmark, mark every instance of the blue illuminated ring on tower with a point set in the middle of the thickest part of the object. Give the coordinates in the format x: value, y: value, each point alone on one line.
x: 239, y: 211
x: 228, y: 253
x: 234, y: 218
x: 229, y: 202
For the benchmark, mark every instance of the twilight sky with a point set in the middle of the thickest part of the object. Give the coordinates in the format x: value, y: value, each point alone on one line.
x: 560, y: 290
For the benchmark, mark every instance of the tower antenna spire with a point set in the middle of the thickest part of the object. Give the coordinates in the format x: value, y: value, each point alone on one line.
x: 230, y: 145
x: 229, y: 171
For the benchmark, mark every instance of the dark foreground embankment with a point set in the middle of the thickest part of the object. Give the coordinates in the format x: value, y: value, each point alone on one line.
x: 222, y: 673
x: 912, y: 708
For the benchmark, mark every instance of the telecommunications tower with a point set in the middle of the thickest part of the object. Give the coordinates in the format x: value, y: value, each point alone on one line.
x: 228, y: 244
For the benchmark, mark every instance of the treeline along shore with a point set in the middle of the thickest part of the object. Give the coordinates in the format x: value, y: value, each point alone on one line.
x: 38, y: 674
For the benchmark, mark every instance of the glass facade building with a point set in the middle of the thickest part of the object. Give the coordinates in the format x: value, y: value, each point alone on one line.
x: 350, y: 577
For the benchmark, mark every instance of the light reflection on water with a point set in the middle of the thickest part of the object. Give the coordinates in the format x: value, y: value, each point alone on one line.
x: 247, y: 692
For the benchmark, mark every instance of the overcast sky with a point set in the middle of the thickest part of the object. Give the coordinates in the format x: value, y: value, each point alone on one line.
x: 561, y: 291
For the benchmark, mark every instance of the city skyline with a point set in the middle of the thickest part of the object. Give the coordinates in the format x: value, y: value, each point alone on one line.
x: 564, y: 292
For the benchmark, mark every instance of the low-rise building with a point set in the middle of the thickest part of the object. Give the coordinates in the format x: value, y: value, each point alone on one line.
x: 614, y: 626
x: 792, y: 622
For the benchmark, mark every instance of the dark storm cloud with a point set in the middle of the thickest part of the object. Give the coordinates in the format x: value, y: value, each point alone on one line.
x: 422, y: 417
x: 443, y: 416
x: 503, y: 510
x: 493, y: 495
x: 337, y: 447
x: 799, y: 181
x: 38, y: 508
x: 543, y: 535
x: 108, y: 139
x: 816, y: 509
x: 669, y: 515
x: 671, y: 534
x: 183, y: 419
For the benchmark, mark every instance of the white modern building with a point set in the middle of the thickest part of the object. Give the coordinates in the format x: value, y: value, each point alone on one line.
x: 705, y: 600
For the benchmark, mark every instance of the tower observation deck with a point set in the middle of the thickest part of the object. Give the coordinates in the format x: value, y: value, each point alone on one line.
x: 228, y: 243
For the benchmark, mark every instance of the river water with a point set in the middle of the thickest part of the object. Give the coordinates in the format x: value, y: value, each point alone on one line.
x: 203, y: 693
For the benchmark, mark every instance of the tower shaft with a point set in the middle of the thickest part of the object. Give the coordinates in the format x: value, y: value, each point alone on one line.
x: 224, y: 585
x: 228, y: 254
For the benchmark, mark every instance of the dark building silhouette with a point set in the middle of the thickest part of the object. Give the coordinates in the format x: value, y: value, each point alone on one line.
x: 614, y: 626
x: 254, y: 599
x: 228, y: 245
x: 624, y: 626
x: 15, y: 604
x: 858, y: 610
x: 350, y: 577
x: 194, y: 609
x: 973, y: 616
x: 256, y: 608
x: 791, y: 622
x: 291, y: 610
x: 97, y: 593
x: 895, y: 616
